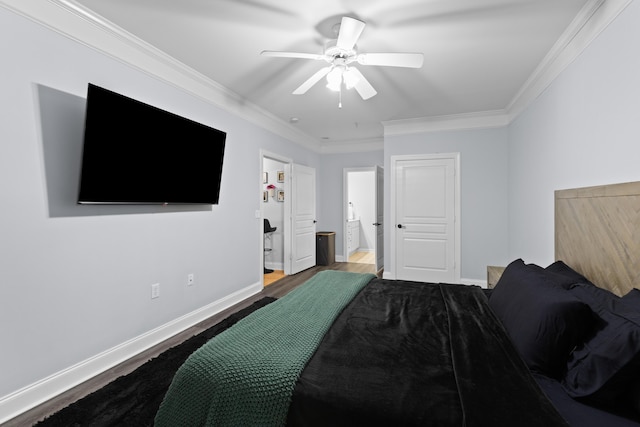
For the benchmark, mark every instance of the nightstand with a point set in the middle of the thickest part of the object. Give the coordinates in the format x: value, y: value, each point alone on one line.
x: 493, y: 275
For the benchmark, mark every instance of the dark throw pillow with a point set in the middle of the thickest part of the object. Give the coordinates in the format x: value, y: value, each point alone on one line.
x: 545, y: 322
x: 587, y: 291
x: 633, y: 297
x: 597, y: 298
x: 559, y: 267
x: 603, y: 370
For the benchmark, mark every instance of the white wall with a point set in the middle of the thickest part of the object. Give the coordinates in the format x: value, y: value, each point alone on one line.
x: 483, y: 188
x: 75, y: 282
x: 584, y: 130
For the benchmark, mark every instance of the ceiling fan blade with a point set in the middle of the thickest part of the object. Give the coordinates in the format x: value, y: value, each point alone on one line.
x: 304, y: 87
x: 410, y: 60
x: 350, y: 30
x: 276, y: 54
x: 363, y: 86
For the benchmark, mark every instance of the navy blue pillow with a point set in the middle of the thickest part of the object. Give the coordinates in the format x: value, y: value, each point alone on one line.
x: 551, y: 276
x: 532, y: 273
x: 594, y: 296
x: 559, y: 267
x: 587, y: 292
x: 545, y: 322
x: 604, y: 368
x: 633, y: 297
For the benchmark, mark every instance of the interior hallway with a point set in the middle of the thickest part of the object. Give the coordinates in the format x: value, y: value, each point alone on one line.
x: 363, y: 257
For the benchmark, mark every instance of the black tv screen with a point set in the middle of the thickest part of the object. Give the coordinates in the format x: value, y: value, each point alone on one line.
x: 135, y: 153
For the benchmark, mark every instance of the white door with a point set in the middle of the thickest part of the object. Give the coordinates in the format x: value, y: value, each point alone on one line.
x: 379, y: 215
x: 425, y: 210
x: 303, y: 218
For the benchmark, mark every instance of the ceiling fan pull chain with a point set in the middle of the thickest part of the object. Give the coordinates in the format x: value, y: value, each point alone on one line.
x: 340, y: 97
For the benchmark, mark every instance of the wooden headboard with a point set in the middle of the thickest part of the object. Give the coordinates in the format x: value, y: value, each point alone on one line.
x: 597, y: 233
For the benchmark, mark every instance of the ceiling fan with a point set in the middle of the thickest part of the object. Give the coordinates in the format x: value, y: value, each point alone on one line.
x: 340, y: 53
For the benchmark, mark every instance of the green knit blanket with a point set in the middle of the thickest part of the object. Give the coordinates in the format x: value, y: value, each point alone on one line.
x: 246, y: 375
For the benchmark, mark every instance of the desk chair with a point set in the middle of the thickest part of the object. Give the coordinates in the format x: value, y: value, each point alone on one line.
x: 268, y: 232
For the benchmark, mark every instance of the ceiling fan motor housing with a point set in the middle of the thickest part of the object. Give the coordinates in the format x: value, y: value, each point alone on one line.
x: 333, y: 52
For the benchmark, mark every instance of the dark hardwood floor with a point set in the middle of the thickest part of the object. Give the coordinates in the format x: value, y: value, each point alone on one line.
x: 277, y: 290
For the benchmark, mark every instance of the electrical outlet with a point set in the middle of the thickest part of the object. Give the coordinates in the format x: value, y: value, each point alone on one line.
x: 190, y: 279
x: 155, y: 290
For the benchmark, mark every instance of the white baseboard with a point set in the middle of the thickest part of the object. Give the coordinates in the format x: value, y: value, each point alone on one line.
x: 479, y: 282
x: 389, y: 275
x: 274, y: 265
x: 39, y: 392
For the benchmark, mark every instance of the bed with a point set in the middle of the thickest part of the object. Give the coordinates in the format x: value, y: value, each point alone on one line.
x: 555, y: 346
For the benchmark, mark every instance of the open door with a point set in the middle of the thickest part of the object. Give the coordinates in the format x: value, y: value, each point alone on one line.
x: 379, y: 204
x: 303, y: 219
x: 281, y: 218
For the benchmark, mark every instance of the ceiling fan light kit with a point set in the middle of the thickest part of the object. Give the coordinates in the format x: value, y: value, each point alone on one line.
x: 339, y: 53
x: 340, y: 74
x: 350, y: 78
x: 334, y: 79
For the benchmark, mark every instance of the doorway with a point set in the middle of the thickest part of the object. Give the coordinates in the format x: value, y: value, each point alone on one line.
x: 362, y: 218
x: 288, y: 196
x: 272, y: 186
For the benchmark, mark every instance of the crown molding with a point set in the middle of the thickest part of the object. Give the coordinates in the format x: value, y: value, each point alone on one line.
x: 594, y: 17
x: 72, y: 20
x: 80, y: 24
x: 465, y: 121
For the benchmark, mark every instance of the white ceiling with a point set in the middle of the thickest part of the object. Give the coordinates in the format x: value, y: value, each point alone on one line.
x: 478, y: 54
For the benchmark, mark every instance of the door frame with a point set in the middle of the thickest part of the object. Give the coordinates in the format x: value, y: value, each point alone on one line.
x: 391, y: 224
x: 286, y: 214
x: 379, y: 218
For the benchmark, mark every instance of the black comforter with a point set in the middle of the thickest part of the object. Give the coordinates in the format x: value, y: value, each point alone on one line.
x: 407, y: 353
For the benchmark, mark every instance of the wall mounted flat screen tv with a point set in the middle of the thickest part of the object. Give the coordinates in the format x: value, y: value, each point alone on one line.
x: 135, y: 153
